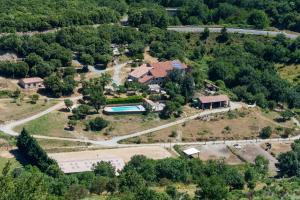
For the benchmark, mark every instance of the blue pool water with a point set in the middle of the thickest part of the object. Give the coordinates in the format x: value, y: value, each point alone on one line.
x: 126, y: 108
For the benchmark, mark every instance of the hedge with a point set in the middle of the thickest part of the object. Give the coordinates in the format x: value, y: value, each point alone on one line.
x: 132, y: 99
x: 5, y: 93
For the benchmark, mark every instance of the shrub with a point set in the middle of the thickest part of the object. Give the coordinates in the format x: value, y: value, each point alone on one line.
x: 132, y: 99
x: 98, y: 124
x: 265, y: 132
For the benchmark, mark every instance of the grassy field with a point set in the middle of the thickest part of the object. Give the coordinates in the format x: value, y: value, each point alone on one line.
x: 13, y: 111
x: 290, y: 73
x: 51, y: 125
x: 55, y: 124
x: 244, y: 124
x: 57, y: 144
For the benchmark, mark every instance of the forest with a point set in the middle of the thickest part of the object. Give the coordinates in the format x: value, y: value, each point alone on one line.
x: 37, y: 15
x: 243, y: 64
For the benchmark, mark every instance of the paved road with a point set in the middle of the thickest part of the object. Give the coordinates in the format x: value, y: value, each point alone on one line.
x: 198, y: 29
x: 194, y: 29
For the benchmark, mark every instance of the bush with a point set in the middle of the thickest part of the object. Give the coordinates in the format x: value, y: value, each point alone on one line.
x: 98, y: 124
x: 265, y: 132
x: 132, y: 99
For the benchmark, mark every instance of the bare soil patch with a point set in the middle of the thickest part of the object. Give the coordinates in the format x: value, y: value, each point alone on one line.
x: 217, y: 152
x: 243, y: 124
x: 278, y: 148
x: 123, y: 153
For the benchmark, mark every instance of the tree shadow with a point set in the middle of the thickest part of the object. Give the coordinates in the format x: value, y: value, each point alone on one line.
x: 19, y: 157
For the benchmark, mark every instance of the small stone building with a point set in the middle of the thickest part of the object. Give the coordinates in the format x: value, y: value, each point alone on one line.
x: 31, y: 83
x: 210, y: 102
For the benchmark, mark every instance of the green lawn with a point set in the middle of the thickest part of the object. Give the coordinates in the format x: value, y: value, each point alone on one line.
x: 52, y: 124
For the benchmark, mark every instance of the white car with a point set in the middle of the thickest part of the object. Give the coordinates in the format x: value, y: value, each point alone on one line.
x: 237, y: 146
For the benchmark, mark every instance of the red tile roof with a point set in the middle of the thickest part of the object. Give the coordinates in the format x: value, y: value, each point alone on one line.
x: 145, y: 79
x: 213, y: 99
x: 159, y: 72
x: 32, y: 80
x: 140, y: 71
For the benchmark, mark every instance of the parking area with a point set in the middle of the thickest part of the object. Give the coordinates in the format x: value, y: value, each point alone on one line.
x: 216, y: 152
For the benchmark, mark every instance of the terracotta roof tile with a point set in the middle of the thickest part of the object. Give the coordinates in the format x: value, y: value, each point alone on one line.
x: 145, y: 79
x: 32, y: 80
x: 140, y: 71
x: 213, y: 99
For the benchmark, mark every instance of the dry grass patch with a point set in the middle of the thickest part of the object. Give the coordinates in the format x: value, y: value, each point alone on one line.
x: 290, y: 72
x: 244, y: 124
x: 55, y: 124
x: 278, y: 148
x: 13, y: 111
x: 54, y: 144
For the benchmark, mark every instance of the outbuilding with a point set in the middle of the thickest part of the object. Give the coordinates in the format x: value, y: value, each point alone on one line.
x: 191, y: 151
x: 210, y: 102
x: 31, y: 83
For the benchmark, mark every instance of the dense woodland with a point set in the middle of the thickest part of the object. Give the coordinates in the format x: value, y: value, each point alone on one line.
x: 244, y: 66
x: 40, y: 15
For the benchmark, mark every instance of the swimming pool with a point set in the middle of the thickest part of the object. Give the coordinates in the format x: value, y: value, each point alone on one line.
x: 124, y: 109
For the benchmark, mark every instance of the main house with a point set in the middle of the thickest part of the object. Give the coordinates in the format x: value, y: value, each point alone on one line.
x: 156, y: 73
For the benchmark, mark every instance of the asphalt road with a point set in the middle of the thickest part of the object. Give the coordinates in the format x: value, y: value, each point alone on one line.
x: 198, y: 29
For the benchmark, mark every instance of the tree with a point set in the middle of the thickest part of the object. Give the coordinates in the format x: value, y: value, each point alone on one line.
x: 265, y: 132
x: 32, y: 151
x: 286, y: 115
x: 87, y: 59
x: 131, y: 181
x: 261, y: 165
x: 97, y: 98
x: 234, y: 179
x: 68, y: 103
x: 99, y: 185
x: 98, y: 124
x: 72, y: 124
x: 149, y: 194
x: 288, y: 163
x: 81, y: 112
x: 224, y: 36
x: 205, y: 34
x: 112, y: 185
x: 259, y: 19
x: 76, y: 192
x: 34, y: 98
x: 170, y: 109
x: 211, y: 188
x: 143, y: 165
x: 104, y: 169
x: 251, y: 177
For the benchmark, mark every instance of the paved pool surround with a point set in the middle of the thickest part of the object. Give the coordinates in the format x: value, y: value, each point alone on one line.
x: 124, y: 109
